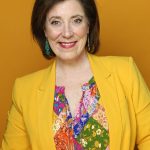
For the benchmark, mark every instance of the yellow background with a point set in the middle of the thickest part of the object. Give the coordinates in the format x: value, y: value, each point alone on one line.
x: 125, y: 30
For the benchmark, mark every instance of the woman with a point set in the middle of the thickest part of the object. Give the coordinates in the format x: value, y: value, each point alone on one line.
x: 81, y: 101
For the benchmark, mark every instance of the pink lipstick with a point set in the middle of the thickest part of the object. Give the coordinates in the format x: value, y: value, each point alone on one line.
x: 67, y: 44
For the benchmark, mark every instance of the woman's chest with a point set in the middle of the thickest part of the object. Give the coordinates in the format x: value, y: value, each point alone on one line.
x: 88, y: 128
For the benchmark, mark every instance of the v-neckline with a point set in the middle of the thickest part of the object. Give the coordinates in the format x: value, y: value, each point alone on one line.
x: 84, y: 87
x: 62, y: 87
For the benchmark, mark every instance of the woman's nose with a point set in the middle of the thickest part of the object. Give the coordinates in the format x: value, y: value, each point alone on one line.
x: 67, y: 31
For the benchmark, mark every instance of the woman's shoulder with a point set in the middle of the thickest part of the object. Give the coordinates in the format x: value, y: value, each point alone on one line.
x: 25, y: 85
x: 122, y: 67
x: 34, y: 77
x: 112, y: 59
x: 114, y: 62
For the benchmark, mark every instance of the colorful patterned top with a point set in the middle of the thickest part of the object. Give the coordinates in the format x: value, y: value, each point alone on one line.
x: 88, y: 129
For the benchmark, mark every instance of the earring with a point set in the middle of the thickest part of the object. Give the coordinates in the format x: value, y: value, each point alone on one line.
x: 88, y: 44
x: 48, y: 50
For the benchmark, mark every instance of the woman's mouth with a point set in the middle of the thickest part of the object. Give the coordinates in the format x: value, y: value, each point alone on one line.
x: 67, y: 44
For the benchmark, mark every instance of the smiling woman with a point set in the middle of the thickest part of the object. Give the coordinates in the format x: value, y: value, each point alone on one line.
x: 48, y: 16
x: 67, y: 30
x: 81, y: 101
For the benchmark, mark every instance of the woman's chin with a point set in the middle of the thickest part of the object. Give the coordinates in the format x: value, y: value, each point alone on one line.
x: 69, y: 53
x: 69, y: 57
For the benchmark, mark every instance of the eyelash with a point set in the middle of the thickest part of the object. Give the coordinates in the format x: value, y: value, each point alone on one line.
x: 78, y: 21
x: 55, y: 22
x: 75, y: 21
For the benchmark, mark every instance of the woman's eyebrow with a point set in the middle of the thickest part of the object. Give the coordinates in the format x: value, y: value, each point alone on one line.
x: 58, y: 17
x: 75, y: 16
x: 54, y: 17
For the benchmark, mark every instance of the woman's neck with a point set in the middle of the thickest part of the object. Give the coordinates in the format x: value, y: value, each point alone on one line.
x: 75, y: 66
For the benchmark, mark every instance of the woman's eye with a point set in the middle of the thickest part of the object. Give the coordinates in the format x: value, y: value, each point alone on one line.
x: 55, y: 22
x: 78, y: 21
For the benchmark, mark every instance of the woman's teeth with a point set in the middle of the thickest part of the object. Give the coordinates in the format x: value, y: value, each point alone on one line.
x: 67, y: 44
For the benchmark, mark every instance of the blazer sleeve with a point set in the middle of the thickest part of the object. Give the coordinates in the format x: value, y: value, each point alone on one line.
x: 15, y: 136
x: 141, y: 100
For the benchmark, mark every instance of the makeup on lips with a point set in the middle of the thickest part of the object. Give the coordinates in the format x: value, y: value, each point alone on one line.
x: 67, y: 45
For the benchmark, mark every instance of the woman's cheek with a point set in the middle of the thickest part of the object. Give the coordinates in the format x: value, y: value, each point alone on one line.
x: 53, y: 34
x: 82, y: 31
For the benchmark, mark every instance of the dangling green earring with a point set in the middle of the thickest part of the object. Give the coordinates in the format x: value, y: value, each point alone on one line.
x: 48, y: 50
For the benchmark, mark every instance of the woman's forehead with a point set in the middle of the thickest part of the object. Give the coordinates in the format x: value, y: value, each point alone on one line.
x: 66, y: 8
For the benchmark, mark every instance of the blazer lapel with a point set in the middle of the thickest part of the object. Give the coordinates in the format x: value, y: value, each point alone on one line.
x: 45, y: 108
x: 109, y: 99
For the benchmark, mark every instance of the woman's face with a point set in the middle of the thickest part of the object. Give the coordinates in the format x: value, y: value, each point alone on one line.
x: 66, y: 29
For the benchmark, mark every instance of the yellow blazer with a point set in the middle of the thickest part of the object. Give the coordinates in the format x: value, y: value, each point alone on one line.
x: 124, y: 95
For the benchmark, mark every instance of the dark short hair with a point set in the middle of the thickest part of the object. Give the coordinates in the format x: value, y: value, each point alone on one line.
x: 38, y: 19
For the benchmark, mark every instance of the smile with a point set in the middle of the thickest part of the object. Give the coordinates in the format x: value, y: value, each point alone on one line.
x: 67, y: 44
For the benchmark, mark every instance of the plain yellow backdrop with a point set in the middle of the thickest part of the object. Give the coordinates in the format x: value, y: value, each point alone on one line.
x: 125, y: 30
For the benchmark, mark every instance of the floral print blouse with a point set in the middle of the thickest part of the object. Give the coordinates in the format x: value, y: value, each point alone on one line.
x: 88, y: 129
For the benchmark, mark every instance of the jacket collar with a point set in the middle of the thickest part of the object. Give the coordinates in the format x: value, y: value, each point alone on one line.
x: 95, y: 61
x: 97, y: 65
